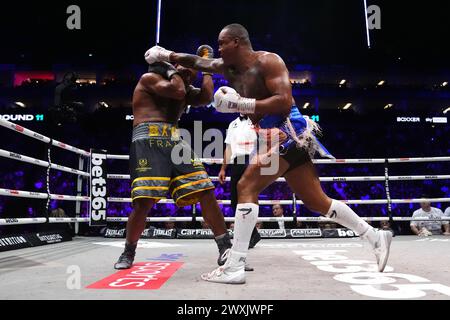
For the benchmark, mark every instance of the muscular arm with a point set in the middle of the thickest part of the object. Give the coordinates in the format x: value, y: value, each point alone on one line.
x: 173, y: 88
x: 447, y: 228
x: 198, y: 63
x: 276, y: 78
x: 204, y: 95
x: 414, y: 229
x: 226, y: 157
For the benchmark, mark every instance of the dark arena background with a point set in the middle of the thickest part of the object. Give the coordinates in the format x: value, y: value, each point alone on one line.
x: 374, y: 75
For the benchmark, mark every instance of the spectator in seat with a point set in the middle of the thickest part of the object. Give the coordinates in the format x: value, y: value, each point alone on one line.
x: 429, y: 227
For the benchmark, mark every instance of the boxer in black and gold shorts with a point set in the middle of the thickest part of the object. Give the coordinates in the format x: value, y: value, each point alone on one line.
x: 161, y: 164
x: 153, y: 173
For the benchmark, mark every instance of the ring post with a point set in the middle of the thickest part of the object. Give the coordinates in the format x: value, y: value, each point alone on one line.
x: 49, y: 148
x: 294, y: 210
x: 79, y: 193
x: 388, y: 196
x: 194, y: 215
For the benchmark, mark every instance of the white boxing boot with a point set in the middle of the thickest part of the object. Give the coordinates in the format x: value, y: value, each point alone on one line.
x: 232, y: 272
x: 381, y: 243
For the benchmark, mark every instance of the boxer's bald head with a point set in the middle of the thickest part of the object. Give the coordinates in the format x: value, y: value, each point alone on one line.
x: 233, y: 41
x: 237, y: 31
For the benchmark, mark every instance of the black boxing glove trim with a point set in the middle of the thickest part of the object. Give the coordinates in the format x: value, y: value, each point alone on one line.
x: 164, y: 69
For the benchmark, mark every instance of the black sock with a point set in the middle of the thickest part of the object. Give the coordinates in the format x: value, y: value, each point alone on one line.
x: 130, y: 247
x: 224, y: 242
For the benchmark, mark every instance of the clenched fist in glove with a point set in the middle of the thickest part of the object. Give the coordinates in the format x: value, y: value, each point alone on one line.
x: 227, y: 100
x: 205, y: 51
x: 157, y: 54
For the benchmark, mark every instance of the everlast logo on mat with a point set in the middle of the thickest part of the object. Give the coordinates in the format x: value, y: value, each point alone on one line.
x: 115, y: 233
x: 98, y: 188
x: 147, y: 233
x: 11, y: 241
x: 162, y: 232
x: 50, y: 238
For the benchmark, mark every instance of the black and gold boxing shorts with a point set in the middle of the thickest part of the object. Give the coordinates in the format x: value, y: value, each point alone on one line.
x: 156, y: 172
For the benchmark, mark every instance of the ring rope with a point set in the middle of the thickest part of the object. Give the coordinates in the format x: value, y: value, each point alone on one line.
x: 321, y: 161
x: 40, y: 195
x: 273, y: 219
x: 49, y: 165
x: 41, y: 163
x: 40, y: 137
x: 21, y: 221
x: 290, y: 202
x: 331, y: 179
x: 48, y: 177
x: 388, y: 195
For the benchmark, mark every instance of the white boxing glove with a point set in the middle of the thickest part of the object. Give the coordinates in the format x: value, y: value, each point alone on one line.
x: 227, y: 100
x: 157, y: 54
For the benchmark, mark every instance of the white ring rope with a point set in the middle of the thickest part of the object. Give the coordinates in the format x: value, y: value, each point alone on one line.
x: 37, y: 195
x: 21, y: 221
x: 40, y: 195
x: 321, y: 161
x: 331, y: 179
x: 290, y: 202
x: 40, y: 137
x: 18, y: 221
x: 117, y: 157
x: 49, y: 149
x: 41, y: 163
x: 274, y: 219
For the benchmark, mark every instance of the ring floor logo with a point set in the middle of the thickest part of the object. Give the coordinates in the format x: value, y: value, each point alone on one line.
x: 141, y: 244
x: 364, y: 278
x: 141, y: 276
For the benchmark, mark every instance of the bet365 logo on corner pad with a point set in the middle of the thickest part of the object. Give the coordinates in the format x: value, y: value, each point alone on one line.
x: 98, y: 188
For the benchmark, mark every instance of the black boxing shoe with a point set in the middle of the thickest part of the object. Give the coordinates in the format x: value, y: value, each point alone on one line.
x: 223, y: 244
x: 125, y: 261
x: 254, y: 239
x: 127, y: 257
